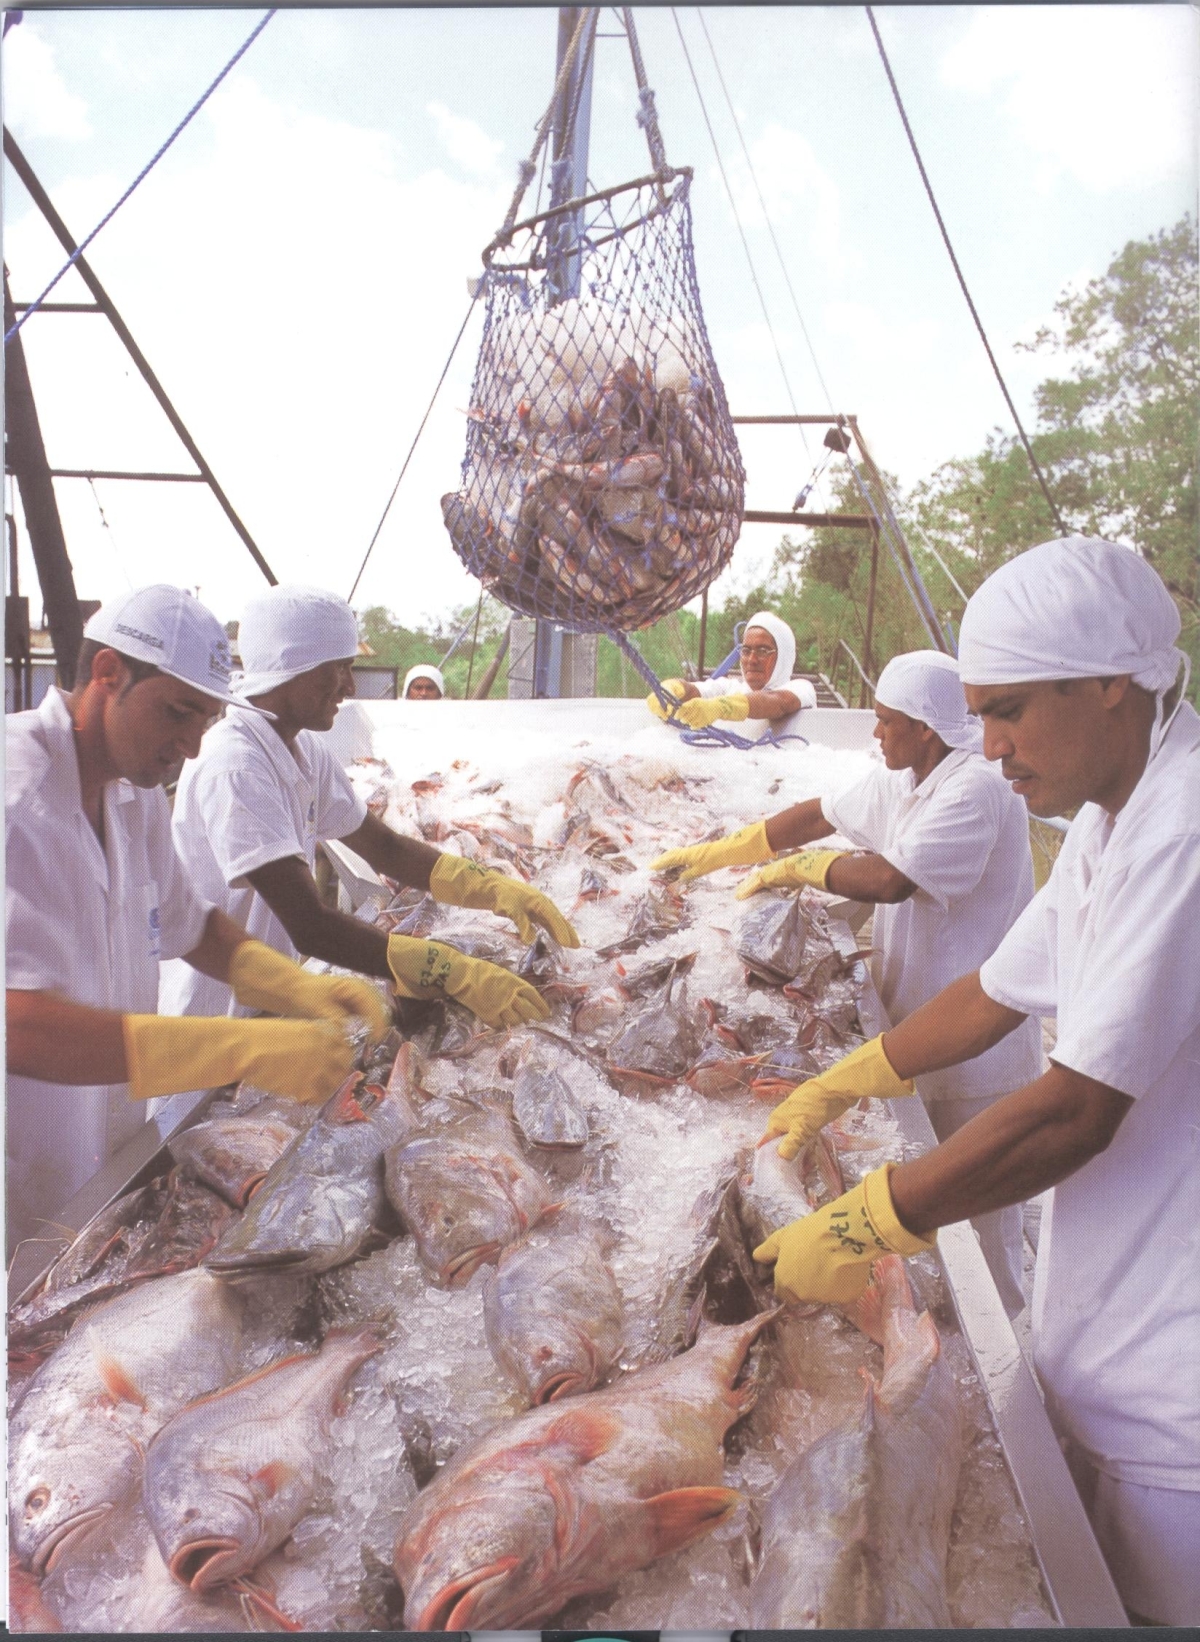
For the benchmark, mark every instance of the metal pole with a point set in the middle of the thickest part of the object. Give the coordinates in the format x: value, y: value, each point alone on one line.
x: 924, y: 608
x: 483, y: 688
x: 870, y: 607
x: 703, y: 632
x: 42, y: 200
x: 28, y: 464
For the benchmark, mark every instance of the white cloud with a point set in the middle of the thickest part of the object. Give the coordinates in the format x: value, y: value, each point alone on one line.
x: 36, y: 101
x: 1102, y: 94
x: 796, y: 188
x: 467, y: 144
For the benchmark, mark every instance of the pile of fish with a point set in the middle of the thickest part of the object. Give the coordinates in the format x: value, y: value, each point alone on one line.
x: 602, y: 481
x: 480, y: 1344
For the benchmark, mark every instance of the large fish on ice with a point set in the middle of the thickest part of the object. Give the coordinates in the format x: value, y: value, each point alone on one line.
x: 771, y: 938
x: 855, y: 1534
x: 570, y: 1497
x: 544, y: 1106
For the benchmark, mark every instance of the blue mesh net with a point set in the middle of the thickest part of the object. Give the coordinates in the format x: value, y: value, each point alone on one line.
x: 602, y: 485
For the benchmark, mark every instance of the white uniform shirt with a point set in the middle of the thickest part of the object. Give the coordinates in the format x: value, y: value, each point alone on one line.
x: 962, y: 836
x: 89, y: 922
x: 760, y: 728
x: 244, y: 802
x: 1111, y: 944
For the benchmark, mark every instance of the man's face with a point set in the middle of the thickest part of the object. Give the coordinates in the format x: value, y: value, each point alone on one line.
x: 902, y: 740
x: 1050, y: 738
x: 423, y: 689
x: 759, y: 655
x: 151, y: 727
x: 314, y: 698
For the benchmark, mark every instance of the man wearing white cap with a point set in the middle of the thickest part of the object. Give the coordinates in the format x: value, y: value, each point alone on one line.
x: 947, y: 863
x: 1068, y: 656
x: 423, y: 683
x: 251, y: 809
x: 96, y: 896
x: 766, y: 693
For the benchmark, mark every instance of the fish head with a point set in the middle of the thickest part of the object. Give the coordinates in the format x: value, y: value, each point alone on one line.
x: 209, y: 1526
x: 459, y: 1223
x: 53, y: 1507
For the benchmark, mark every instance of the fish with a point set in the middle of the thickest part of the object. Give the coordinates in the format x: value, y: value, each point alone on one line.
x: 855, y: 1533
x: 773, y: 1192
x: 771, y: 936
x: 720, y: 1072
x: 657, y: 912
x: 77, y: 1436
x: 552, y: 1315
x: 28, y: 1610
x: 318, y: 1203
x: 233, y: 1154
x: 229, y: 1476
x: 544, y: 1107
x: 465, y: 1193
x: 570, y: 1497
x: 659, y: 1045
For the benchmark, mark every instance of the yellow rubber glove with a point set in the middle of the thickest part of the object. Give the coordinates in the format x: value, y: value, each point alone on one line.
x: 671, y: 687
x: 741, y: 849
x: 806, y: 867
x: 422, y: 969
x: 810, y: 1106
x: 699, y: 714
x: 827, y: 1256
x: 461, y: 883
x: 304, y: 1060
x: 262, y: 978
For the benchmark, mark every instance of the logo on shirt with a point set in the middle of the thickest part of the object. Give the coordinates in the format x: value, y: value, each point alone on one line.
x: 154, y: 931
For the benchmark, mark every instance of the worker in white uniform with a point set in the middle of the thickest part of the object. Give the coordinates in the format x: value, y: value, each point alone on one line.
x: 766, y: 693
x: 1068, y: 656
x: 250, y: 810
x: 423, y: 682
x: 96, y: 896
x: 948, y: 867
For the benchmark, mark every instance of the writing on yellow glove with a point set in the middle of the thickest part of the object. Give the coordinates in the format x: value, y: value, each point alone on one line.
x: 422, y: 969
x: 164, y: 1054
x: 805, y: 867
x: 670, y: 687
x: 827, y: 1256
x: 810, y: 1106
x: 458, y: 882
x: 699, y: 714
x: 741, y: 849
x: 262, y: 978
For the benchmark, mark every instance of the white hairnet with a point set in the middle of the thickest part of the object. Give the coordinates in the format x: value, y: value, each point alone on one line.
x: 1078, y: 607
x: 925, y: 685
x: 290, y: 630
x: 785, y: 644
x: 423, y: 670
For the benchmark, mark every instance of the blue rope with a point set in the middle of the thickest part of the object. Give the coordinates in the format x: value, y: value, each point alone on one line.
x: 194, y: 110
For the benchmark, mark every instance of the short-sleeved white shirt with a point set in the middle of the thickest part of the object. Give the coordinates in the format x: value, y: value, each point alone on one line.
x: 1112, y: 944
x: 759, y: 728
x: 244, y: 802
x: 962, y: 836
x: 89, y: 922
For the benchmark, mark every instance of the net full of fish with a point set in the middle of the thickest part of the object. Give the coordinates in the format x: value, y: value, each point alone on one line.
x: 529, y: 1343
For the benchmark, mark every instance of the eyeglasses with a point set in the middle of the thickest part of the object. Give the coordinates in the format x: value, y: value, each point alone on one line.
x: 763, y: 650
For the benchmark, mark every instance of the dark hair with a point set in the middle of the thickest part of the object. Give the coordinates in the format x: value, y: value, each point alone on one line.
x: 91, y: 648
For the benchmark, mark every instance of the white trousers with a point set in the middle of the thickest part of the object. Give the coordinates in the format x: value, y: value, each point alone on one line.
x: 1150, y: 1538
x: 1000, y: 1232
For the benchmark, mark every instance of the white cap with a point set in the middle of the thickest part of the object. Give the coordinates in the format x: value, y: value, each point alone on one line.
x: 423, y: 669
x: 168, y: 627
x: 925, y: 685
x: 290, y: 630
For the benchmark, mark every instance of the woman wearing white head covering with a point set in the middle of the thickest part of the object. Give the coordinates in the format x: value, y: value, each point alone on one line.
x: 1069, y: 658
x: 431, y: 686
x: 949, y: 869
x: 766, y: 693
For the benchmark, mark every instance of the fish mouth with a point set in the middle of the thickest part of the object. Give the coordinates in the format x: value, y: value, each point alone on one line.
x: 203, y: 1563
x: 238, y: 1265
x: 460, y: 1268
x: 559, y: 1385
x: 69, y: 1533
x: 457, y: 1603
x: 249, y: 1187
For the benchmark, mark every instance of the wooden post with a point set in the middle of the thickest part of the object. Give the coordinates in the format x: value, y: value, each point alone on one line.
x: 868, y: 659
x: 703, y: 632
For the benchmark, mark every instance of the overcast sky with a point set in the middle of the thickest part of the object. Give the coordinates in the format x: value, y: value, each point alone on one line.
x: 296, y: 267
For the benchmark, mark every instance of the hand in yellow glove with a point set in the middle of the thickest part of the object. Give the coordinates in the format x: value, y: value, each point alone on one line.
x: 827, y: 1256
x: 262, y: 978
x: 741, y: 849
x: 810, y: 1106
x: 699, y: 714
x: 164, y: 1054
x: 670, y: 687
x: 461, y: 883
x: 805, y: 867
x: 424, y: 968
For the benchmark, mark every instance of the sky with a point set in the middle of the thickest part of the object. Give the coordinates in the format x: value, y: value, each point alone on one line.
x: 296, y: 267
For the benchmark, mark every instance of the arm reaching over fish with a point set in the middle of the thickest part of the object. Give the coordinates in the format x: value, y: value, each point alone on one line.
x: 455, y: 881
x: 423, y: 968
x: 864, y: 1073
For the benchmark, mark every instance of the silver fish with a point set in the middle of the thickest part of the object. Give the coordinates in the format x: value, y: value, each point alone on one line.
x: 659, y: 1044
x: 771, y: 937
x: 552, y: 1315
x: 772, y: 1193
x: 546, y: 1111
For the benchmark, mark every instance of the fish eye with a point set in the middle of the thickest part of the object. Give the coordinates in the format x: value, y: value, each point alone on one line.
x: 37, y: 1501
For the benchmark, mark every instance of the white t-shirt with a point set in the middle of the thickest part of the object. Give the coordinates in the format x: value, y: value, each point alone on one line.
x: 962, y: 836
x: 759, y: 728
x: 87, y: 921
x: 1112, y: 943
x: 244, y: 802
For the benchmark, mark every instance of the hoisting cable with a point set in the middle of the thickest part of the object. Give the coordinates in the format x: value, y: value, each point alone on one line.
x: 416, y: 436
x: 188, y: 117
x: 474, y: 646
x: 912, y: 141
x: 528, y: 168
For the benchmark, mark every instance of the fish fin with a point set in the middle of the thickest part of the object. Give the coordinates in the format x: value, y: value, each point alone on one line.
x: 867, y: 1311
x: 684, y: 1514
x: 119, y: 1385
x: 586, y: 1432
x: 272, y: 1476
